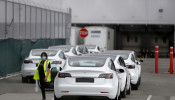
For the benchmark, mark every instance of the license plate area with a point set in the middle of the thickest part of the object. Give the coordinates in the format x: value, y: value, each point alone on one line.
x: 85, y: 80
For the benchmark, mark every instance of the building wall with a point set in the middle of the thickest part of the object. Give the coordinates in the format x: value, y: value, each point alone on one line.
x: 122, y: 11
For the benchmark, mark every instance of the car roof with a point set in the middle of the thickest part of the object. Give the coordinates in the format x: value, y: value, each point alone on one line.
x: 102, y: 55
x: 74, y: 57
x: 119, y: 51
x: 68, y: 45
x: 91, y: 45
x: 61, y: 47
x: 45, y: 50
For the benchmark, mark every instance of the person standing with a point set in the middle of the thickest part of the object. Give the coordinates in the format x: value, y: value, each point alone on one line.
x: 43, y: 73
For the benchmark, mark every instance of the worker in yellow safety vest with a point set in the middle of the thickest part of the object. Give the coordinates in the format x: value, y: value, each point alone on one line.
x: 43, y: 73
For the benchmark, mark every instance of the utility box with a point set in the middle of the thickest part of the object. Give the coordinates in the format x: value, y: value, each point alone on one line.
x: 101, y: 36
x: 75, y: 38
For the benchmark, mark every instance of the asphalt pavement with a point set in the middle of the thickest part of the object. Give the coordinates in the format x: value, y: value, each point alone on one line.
x: 153, y: 86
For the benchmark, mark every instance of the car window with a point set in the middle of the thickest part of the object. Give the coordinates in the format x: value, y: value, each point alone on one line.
x: 61, y: 55
x: 122, y: 62
x: 86, y: 50
x: 119, y: 61
x: 74, y: 51
x: 98, y: 48
x: 86, y: 62
x: 135, y: 56
x: 132, y: 58
x: 78, y: 49
x: 111, y: 65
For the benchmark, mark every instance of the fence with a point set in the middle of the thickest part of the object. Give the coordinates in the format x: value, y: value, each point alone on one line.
x: 22, y: 21
x: 24, y: 27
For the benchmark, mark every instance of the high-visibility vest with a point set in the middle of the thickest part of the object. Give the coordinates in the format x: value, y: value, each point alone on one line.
x: 36, y: 76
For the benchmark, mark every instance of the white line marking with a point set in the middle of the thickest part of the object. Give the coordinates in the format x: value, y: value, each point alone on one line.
x: 13, y: 75
x: 149, y: 97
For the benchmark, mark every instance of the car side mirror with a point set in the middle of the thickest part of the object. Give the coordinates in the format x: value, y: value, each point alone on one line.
x: 141, y: 60
x: 60, y: 69
x: 121, y: 71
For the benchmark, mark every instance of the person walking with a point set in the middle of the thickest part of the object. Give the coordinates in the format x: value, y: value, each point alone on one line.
x: 43, y: 73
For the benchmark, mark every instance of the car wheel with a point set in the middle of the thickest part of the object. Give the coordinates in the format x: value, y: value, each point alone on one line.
x: 129, y: 90
x: 55, y: 98
x: 24, y: 80
x: 139, y: 81
x: 123, y: 94
x: 135, y: 86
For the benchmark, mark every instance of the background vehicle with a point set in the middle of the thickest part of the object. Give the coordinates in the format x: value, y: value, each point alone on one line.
x: 101, y: 36
x: 132, y: 64
x: 75, y: 38
x: 29, y: 66
x: 68, y: 50
x: 88, y: 76
x: 121, y: 69
x: 93, y: 48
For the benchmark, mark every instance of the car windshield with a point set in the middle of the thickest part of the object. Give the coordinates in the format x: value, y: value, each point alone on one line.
x: 86, y: 62
x: 91, y: 47
x: 38, y: 52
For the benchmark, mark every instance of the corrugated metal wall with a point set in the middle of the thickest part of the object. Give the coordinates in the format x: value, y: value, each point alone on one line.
x: 22, y: 21
x: 24, y: 27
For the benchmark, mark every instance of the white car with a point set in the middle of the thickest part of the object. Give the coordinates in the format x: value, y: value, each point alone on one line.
x: 88, y: 76
x: 83, y: 50
x: 132, y: 64
x: 123, y: 72
x: 93, y: 48
x: 68, y: 50
x: 29, y: 66
x: 80, y: 49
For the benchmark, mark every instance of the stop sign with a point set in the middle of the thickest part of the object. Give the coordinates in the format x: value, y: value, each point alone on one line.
x: 83, y: 32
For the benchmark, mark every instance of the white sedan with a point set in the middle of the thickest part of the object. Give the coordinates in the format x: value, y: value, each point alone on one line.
x: 88, y: 76
x: 123, y: 72
x: 93, y: 48
x: 29, y: 66
x: 68, y: 50
x: 133, y: 65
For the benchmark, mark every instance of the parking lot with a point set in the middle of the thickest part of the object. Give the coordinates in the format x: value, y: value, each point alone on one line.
x: 153, y: 86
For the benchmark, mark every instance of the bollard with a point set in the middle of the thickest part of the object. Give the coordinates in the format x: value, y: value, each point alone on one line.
x: 156, y: 58
x: 171, y: 60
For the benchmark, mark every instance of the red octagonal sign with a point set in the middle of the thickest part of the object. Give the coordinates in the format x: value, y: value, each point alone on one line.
x: 83, y: 32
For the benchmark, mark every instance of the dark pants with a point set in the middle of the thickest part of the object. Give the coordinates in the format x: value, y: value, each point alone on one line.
x: 42, y: 86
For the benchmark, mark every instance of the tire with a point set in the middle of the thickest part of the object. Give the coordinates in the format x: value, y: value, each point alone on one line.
x: 123, y: 94
x: 139, y: 81
x: 55, y: 98
x: 24, y: 80
x: 135, y: 86
x: 129, y: 90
